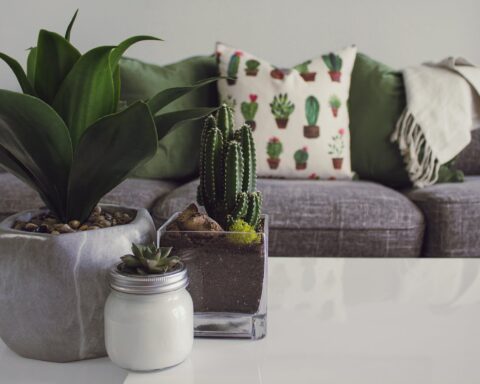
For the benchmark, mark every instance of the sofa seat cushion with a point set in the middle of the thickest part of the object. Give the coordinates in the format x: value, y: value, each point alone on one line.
x: 452, y: 214
x: 327, y: 218
x: 16, y: 196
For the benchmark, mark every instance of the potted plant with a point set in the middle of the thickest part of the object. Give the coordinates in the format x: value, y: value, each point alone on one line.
x: 225, y: 250
x: 232, y: 69
x: 335, y: 104
x: 66, y: 138
x: 149, y: 313
x: 334, y: 64
x: 305, y: 72
x: 251, y: 67
x: 281, y: 109
x: 277, y: 73
x: 274, y: 150
x: 301, y: 157
x: 336, y: 148
x: 312, y: 109
x: 249, y: 110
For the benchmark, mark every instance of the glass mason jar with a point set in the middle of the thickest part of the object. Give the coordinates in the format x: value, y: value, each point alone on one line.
x: 148, y: 320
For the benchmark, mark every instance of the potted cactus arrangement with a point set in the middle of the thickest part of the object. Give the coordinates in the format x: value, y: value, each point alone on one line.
x: 336, y: 148
x: 281, y: 108
x: 301, y: 157
x: 334, y: 64
x: 233, y: 66
x: 225, y: 248
x: 66, y: 137
x: 312, y: 110
x: 251, y: 67
x: 249, y: 110
x: 274, y: 150
x: 305, y: 72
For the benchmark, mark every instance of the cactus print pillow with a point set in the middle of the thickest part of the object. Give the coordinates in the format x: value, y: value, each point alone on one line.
x: 299, y: 116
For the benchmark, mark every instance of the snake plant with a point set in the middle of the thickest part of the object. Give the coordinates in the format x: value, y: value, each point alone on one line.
x: 65, y: 135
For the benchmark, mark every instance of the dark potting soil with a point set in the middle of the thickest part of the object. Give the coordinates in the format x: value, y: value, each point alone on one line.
x: 224, y: 276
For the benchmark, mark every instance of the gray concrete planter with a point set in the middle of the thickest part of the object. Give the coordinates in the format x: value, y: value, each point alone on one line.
x: 53, y: 287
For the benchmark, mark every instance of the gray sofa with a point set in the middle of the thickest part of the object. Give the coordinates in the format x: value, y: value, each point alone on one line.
x: 327, y: 218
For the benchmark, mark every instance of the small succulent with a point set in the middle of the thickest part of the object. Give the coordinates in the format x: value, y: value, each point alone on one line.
x: 333, y: 62
x: 281, y: 106
x: 148, y: 260
x: 252, y: 65
x: 303, y: 68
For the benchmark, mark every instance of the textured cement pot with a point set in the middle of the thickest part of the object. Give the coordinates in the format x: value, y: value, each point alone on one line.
x: 53, y: 287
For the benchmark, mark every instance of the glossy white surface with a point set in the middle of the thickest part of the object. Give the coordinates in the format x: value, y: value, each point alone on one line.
x: 331, y: 321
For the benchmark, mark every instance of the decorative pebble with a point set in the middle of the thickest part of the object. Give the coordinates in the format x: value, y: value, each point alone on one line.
x: 44, y: 223
x: 75, y: 224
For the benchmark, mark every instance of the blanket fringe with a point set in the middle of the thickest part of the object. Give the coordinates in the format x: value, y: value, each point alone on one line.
x: 421, y: 164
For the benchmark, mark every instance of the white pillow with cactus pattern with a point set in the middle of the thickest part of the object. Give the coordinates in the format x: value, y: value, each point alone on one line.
x: 299, y: 116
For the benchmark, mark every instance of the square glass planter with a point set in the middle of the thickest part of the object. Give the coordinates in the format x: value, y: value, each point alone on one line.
x: 228, y: 279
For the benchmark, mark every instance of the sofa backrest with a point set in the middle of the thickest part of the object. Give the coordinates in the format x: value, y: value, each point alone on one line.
x: 469, y: 159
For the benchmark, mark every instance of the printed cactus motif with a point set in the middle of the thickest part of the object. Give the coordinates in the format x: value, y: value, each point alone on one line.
x: 274, y: 150
x: 336, y: 148
x: 233, y: 65
x: 305, y: 72
x: 277, y: 73
x: 334, y: 64
x: 251, y: 67
x: 281, y: 109
x: 335, y: 104
x: 301, y: 157
x: 312, y: 110
x: 249, y: 110
x: 227, y: 187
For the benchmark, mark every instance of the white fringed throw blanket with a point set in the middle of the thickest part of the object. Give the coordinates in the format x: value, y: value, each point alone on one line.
x: 443, y: 106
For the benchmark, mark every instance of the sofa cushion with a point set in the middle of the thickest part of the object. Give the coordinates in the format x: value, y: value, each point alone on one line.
x: 467, y: 160
x: 452, y: 215
x: 138, y: 193
x: 328, y: 218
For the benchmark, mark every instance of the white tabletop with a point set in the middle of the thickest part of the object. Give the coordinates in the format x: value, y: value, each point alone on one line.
x: 330, y: 321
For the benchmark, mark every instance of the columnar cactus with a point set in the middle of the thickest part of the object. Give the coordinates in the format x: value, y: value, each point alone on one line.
x: 227, y: 187
x: 312, y: 109
x: 232, y: 69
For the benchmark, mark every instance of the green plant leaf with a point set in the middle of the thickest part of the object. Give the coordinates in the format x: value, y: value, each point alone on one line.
x: 87, y: 93
x: 38, y: 139
x: 90, y: 90
x: 167, y: 122
x: 70, y: 25
x: 55, y: 57
x: 12, y: 165
x: 19, y: 73
x: 107, y: 153
x: 167, y: 96
x: 31, y: 64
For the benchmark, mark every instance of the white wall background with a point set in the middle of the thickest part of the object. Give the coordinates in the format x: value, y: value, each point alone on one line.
x: 285, y: 32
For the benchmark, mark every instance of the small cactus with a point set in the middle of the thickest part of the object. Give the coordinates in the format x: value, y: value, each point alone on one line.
x: 312, y: 109
x: 249, y: 110
x: 303, y: 68
x: 274, y: 150
x: 227, y: 187
x: 334, y: 64
x: 233, y: 65
x: 301, y: 156
x: 335, y: 104
x: 282, y: 108
x: 251, y: 67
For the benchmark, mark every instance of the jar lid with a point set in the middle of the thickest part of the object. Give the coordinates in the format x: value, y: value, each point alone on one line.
x: 148, y: 284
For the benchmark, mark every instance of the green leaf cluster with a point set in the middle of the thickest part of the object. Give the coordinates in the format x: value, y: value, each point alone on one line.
x: 65, y: 135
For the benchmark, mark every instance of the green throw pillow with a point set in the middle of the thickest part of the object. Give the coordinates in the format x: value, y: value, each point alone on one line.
x: 177, y: 155
x: 377, y: 99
